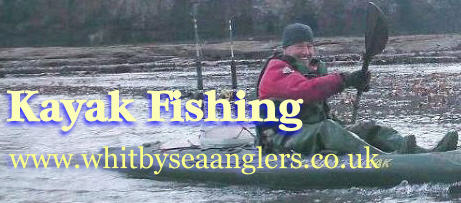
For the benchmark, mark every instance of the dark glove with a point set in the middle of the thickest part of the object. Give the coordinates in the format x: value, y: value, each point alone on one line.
x: 357, y: 79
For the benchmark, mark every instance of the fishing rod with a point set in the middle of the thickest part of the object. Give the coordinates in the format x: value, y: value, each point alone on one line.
x: 233, y: 68
x: 198, y: 63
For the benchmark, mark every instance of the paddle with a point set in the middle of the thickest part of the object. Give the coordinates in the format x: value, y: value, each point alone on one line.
x: 376, y: 37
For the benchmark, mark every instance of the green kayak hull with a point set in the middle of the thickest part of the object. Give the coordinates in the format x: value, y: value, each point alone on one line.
x: 442, y: 167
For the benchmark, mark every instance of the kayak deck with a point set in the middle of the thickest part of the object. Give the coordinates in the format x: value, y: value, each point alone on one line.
x: 442, y: 167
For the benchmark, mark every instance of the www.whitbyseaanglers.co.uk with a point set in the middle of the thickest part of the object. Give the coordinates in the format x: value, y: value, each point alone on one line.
x: 131, y: 159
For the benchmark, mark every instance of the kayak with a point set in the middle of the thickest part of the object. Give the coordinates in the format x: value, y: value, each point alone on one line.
x: 439, y: 167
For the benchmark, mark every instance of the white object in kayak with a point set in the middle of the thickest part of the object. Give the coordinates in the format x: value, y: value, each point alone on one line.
x: 226, y: 136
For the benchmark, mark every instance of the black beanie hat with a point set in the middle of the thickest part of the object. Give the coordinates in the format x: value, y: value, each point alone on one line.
x: 295, y: 33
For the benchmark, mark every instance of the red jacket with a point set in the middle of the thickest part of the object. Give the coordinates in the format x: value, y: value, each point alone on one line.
x: 278, y: 82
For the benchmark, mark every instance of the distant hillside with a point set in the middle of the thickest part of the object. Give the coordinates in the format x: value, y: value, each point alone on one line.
x: 95, y: 22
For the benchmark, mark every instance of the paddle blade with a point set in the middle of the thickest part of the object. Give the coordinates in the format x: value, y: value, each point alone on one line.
x: 377, y: 34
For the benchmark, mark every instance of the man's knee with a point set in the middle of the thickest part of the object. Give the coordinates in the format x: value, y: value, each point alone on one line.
x: 364, y: 129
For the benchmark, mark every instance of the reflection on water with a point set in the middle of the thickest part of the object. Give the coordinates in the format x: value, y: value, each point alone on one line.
x: 427, y: 110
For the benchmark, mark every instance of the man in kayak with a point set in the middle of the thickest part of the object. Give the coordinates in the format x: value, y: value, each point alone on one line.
x: 294, y: 75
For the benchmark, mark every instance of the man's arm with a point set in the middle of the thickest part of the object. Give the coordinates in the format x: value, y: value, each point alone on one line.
x: 280, y: 81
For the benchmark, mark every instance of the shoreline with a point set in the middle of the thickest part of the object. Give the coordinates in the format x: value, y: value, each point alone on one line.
x: 344, y: 51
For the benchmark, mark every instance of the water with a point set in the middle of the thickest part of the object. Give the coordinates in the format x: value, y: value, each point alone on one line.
x: 420, y: 99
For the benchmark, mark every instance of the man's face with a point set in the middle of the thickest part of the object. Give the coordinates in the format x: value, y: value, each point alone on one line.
x: 301, y: 51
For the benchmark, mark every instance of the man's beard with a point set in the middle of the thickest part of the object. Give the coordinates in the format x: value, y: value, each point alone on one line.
x: 305, y: 59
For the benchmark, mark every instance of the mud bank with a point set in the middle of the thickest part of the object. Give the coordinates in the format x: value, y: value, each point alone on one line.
x: 162, y: 57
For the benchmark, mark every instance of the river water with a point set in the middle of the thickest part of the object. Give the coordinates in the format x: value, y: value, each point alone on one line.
x: 420, y: 99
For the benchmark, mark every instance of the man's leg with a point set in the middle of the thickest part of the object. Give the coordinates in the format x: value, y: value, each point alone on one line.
x: 323, y: 136
x: 305, y: 141
x: 389, y: 140
x: 335, y: 137
x: 384, y: 138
